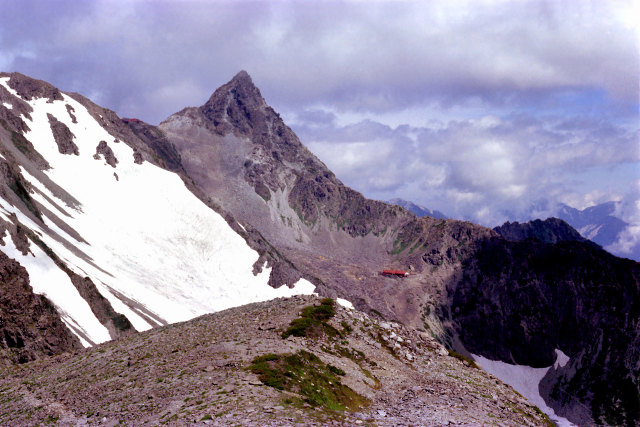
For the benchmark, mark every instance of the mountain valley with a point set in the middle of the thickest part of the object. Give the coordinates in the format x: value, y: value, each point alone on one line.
x: 124, y: 227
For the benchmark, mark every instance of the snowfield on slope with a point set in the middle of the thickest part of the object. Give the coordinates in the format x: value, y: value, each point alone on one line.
x: 153, y: 249
x: 526, y: 381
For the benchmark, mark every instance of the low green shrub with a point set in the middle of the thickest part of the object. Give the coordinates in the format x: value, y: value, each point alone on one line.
x: 305, y: 374
x: 313, y: 321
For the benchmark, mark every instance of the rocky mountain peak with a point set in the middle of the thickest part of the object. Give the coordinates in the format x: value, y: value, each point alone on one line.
x: 242, y: 78
x: 237, y: 106
x: 550, y: 230
x: 275, y: 156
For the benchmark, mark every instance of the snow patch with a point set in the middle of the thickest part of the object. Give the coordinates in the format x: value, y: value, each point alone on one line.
x: 7, y: 105
x: 345, y: 303
x: 526, y: 381
x: 590, y: 231
x: 561, y: 359
x: 4, y: 81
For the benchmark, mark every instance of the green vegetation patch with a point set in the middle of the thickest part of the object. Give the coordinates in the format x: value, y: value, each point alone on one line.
x: 399, y: 245
x: 305, y: 374
x: 313, y: 321
x: 545, y: 418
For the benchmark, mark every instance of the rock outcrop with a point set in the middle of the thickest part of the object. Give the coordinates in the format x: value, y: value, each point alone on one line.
x: 550, y: 230
x: 30, y: 327
x: 107, y: 153
x: 63, y: 136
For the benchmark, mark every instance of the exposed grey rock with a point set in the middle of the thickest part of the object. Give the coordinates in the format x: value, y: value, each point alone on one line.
x: 63, y: 136
x: 30, y: 327
x: 70, y: 110
x: 29, y: 88
x: 106, y: 151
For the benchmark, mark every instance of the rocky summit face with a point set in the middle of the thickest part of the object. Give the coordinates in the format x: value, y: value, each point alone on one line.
x: 125, y: 227
x: 551, y: 230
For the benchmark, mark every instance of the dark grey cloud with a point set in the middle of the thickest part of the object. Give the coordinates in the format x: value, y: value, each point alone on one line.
x: 154, y: 57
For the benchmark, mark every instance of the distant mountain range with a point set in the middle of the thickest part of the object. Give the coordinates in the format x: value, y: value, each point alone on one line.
x: 599, y: 224
x: 596, y: 223
x: 419, y: 210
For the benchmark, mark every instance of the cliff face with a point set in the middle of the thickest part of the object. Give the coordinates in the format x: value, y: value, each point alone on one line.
x: 30, y: 327
x: 519, y: 301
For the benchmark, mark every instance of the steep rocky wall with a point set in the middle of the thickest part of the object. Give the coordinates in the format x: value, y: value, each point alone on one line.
x: 519, y: 301
x: 30, y: 327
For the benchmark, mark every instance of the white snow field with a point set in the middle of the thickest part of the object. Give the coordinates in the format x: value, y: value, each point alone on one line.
x: 157, y: 250
x: 526, y: 380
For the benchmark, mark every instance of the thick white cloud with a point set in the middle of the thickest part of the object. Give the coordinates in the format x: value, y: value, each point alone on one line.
x: 487, y: 170
x: 628, y: 242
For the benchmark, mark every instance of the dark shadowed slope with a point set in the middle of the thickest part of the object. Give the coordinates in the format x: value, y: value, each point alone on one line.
x: 551, y: 230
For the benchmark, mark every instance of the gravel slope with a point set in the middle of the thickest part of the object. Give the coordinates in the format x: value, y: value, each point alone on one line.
x: 195, y: 372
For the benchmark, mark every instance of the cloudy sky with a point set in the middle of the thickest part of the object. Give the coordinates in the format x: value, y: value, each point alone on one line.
x: 480, y: 109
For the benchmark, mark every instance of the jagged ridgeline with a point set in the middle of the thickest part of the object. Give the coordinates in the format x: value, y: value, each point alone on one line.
x: 221, y: 205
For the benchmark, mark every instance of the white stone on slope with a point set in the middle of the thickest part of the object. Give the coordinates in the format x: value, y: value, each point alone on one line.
x: 344, y: 303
